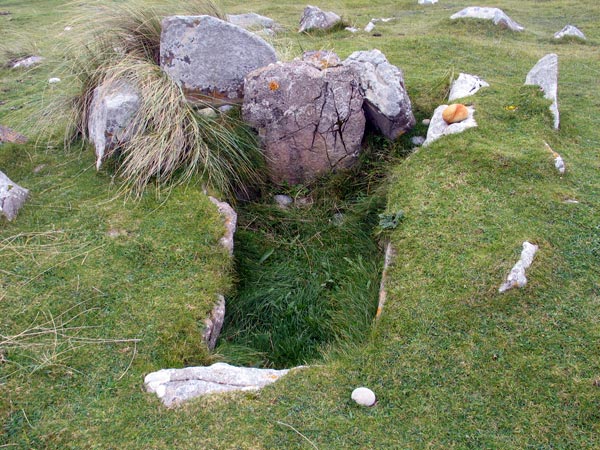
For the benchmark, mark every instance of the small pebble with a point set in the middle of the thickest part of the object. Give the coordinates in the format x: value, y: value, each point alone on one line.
x: 426, y: 122
x: 364, y: 396
x: 225, y: 109
x: 207, y: 112
x: 417, y: 140
x: 68, y: 28
x: 369, y: 27
x: 283, y: 201
x: 351, y: 29
x: 54, y: 80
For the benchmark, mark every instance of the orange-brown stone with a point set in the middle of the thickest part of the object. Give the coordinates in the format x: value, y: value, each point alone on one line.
x: 455, y: 113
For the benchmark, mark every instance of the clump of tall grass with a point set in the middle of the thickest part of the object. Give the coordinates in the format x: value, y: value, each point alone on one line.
x: 168, y: 139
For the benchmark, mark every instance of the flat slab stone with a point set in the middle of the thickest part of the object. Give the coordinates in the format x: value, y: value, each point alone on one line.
x: 465, y: 85
x: 570, y: 30
x: 253, y: 21
x: 209, y: 57
x: 496, y: 15
x: 545, y: 75
x: 516, y: 277
x: 12, y: 197
x: 175, y: 386
x: 26, y: 62
x: 438, y: 126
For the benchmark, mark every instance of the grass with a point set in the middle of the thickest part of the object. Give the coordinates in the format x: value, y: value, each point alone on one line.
x: 453, y: 363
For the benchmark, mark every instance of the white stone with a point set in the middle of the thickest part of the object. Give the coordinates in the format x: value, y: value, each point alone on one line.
x: 283, y: 201
x: 370, y: 26
x: 54, y: 80
x: 27, y: 62
x: 351, y: 29
x: 230, y: 219
x: 364, y: 396
x: 559, y: 163
x: 465, y: 85
x: 417, y: 140
x: 438, y: 126
x: 252, y: 21
x: 68, y: 28
x: 569, y: 30
x: 12, y: 197
x: 516, y: 277
x: 427, y: 2
x: 174, y: 386
x: 545, y: 75
x: 496, y: 15
x: 315, y: 19
x: 209, y: 113
x: 426, y: 122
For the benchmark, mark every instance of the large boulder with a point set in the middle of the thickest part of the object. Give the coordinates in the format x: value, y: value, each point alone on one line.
x: 12, y: 197
x: 496, y: 15
x: 310, y: 121
x: 545, y: 75
x: 209, y: 57
x: 387, y: 105
x: 111, y: 116
x: 315, y: 19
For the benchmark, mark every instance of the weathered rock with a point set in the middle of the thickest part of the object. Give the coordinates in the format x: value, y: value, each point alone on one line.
x: 364, y: 396
x: 26, y: 62
x: 253, y: 21
x: 175, y: 386
x: 438, y: 126
x: 315, y: 19
x: 209, y: 57
x: 321, y: 59
x: 455, y: 113
x: 389, y: 256
x: 545, y: 75
x: 516, y: 277
x: 283, y: 201
x: 230, y: 217
x: 351, y: 29
x: 214, y: 323
x: 12, y: 197
x: 370, y: 27
x: 310, y: 121
x: 111, y: 116
x: 387, y: 105
x: 417, y: 140
x: 570, y: 30
x: 496, y: 15
x: 11, y: 136
x: 465, y: 85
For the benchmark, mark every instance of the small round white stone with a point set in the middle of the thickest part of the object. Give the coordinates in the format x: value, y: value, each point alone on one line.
x: 54, y: 80
x: 364, y: 396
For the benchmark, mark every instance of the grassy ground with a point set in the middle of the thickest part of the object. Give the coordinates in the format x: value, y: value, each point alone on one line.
x: 454, y: 364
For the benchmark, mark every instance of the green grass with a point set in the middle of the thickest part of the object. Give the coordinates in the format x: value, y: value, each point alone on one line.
x: 453, y: 363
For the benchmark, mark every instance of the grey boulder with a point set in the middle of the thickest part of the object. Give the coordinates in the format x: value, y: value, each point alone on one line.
x: 310, y: 121
x: 209, y: 57
x: 321, y: 59
x: 111, y: 117
x: 496, y: 15
x: 570, y: 30
x: 465, y: 85
x: 387, y: 105
x: 545, y: 75
x: 12, y: 197
x: 175, y: 386
x: 26, y: 62
x: 438, y: 126
x: 315, y: 19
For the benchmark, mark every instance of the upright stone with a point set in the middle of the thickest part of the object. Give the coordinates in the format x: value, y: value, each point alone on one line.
x: 310, y: 121
x: 545, y: 75
x: 570, y: 31
x: 209, y: 57
x: 110, y: 117
x: 315, y: 19
x: 12, y: 197
x: 387, y: 105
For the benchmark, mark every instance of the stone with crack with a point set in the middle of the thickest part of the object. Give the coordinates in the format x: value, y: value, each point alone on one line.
x: 309, y: 121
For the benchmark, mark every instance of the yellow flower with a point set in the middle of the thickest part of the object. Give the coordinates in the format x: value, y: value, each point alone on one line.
x: 511, y: 108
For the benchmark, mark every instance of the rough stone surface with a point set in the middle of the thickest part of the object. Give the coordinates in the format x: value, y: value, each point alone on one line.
x: 310, y: 121
x: 230, y: 217
x: 253, y: 21
x: 321, y: 59
x: 438, y: 127
x: 496, y: 15
x: 110, y: 120
x: 545, y: 75
x: 11, y: 136
x: 516, y: 277
x: 12, y: 197
x: 570, y: 30
x: 465, y: 85
x: 387, y: 105
x: 174, y: 386
x: 209, y: 57
x: 214, y: 323
x: 26, y: 62
x: 364, y: 396
x: 315, y: 19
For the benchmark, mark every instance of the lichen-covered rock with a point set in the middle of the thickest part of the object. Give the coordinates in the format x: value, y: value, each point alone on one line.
x: 496, y: 15
x: 387, y: 105
x: 12, y: 197
x: 315, y: 19
x: 570, y: 31
x: 111, y: 116
x: 310, y: 121
x: 321, y: 59
x: 545, y: 75
x: 465, y: 85
x: 175, y: 386
x: 9, y: 135
x: 438, y: 126
x: 209, y: 57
